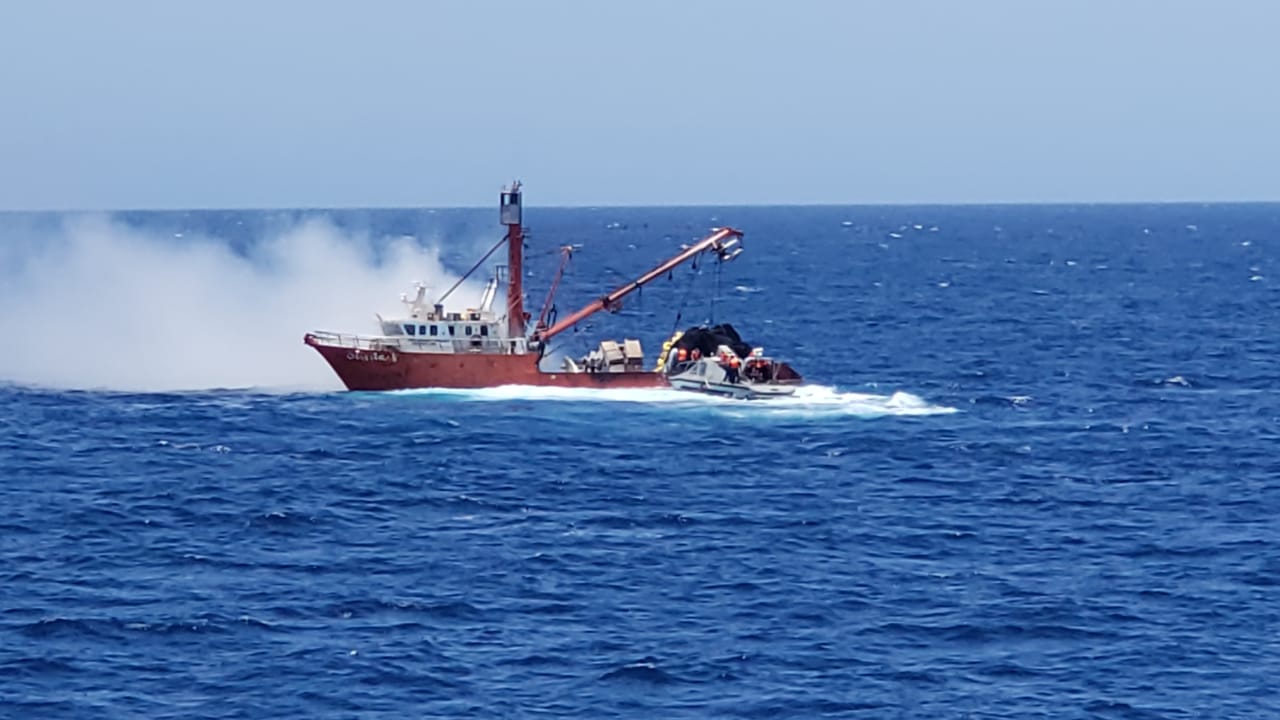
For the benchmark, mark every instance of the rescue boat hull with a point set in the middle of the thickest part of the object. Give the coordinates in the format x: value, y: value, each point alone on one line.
x: 710, y: 378
x: 737, y: 391
x: 388, y: 369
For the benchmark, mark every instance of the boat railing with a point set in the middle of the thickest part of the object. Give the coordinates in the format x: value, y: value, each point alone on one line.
x: 459, y: 346
x: 356, y: 342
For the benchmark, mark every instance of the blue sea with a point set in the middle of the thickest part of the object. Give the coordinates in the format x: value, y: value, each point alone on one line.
x: 1035, y: 472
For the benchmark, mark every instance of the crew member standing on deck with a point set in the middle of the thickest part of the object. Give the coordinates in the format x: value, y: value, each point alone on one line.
x: 732, y: 371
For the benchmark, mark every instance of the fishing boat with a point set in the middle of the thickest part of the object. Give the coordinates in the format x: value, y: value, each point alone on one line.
x: 430, y: 346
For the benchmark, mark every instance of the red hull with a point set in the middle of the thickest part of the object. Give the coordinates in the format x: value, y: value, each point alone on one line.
x: 361, y: 369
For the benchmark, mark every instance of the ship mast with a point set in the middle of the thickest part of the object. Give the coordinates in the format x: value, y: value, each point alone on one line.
x: 566, y: 253
x: 719, y: 241
x: 509, y: 212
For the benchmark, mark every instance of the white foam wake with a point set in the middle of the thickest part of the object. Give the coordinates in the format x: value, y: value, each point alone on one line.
x: 536, y: 392
x: 809, y: 400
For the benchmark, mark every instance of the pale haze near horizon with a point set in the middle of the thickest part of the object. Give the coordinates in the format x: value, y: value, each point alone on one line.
x: 320, y: 104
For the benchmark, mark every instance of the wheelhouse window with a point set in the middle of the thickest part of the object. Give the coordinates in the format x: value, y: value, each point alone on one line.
x: 411, y: 329
x: 435, y: 330
x: 484, y: 330
x: 422, y: 330
x: 467, y: 330
x: 451, y: 331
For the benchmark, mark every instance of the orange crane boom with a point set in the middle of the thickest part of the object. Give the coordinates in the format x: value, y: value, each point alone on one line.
x: 719, y: 242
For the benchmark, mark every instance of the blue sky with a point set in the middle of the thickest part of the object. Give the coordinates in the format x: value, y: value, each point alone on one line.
x: 323, y: 104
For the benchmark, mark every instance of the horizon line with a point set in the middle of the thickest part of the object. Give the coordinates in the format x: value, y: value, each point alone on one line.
x: 692, y: 206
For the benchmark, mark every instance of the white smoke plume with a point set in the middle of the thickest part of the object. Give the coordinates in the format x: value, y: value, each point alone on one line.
x: 91, y: 303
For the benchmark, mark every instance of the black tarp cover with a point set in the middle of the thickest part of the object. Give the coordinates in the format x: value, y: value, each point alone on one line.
x: 709, y: 339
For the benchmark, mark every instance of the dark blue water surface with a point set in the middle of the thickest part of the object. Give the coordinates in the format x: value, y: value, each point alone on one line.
x: 1038, y: 477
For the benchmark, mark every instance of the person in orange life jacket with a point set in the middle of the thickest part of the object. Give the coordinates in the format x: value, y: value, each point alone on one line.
x: 762, y: 371
x: 682, y: 355
x: 732, y: 372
